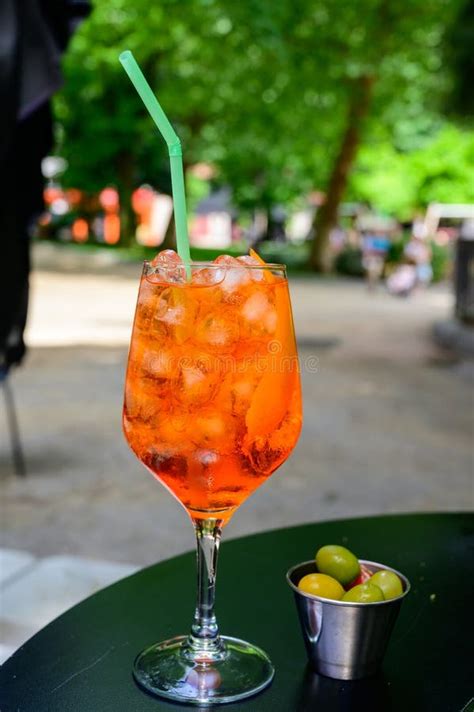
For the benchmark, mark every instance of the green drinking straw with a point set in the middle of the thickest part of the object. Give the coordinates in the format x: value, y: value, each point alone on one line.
x: 135, y: 74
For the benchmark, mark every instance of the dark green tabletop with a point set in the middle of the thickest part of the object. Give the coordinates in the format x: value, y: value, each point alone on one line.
x: 82, y: 661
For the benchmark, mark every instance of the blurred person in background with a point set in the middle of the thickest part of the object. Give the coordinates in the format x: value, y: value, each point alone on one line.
x: 418, y: 253
x: 33, y: 35
x: 416, y: 271
x: 374, y: 252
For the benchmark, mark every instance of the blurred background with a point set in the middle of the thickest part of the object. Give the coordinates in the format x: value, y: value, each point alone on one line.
x: 334, y: 136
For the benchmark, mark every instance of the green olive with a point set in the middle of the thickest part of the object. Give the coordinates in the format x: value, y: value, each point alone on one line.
x: 338, y: 562
x: 364, y: 593
x: 321, y: 585
x: 388, y: 582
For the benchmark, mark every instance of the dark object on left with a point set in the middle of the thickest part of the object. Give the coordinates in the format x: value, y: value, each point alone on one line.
x: 464, y: 276
x: 33, y: 34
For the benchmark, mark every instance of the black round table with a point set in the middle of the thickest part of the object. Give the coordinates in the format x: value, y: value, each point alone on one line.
x: 82, y: 661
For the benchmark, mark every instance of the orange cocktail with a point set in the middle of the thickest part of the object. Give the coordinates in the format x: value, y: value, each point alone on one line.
x: 212, y: 400
x: 212, y: 408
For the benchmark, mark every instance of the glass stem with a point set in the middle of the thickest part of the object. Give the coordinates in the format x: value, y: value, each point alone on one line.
x: 204, y: 642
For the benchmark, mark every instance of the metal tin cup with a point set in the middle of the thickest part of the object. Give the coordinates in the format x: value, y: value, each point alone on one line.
x: 345, y: 640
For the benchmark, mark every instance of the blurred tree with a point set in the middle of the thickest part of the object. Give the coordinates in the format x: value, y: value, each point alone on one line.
x: 278, y: 96
x: 460, y: 57
x: 388, y: 58
x: 228, y: 75
x: 104, y: 131
x: 398, y: 182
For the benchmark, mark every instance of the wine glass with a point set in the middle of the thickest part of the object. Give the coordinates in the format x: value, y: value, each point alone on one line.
x: 212, y: 407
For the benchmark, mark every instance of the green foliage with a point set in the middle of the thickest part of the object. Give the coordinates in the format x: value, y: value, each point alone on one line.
x: 196, y: 190
x: 460, y: 57
x: 349, y: 262
x: 445, y: 168
x: 395, y: 251
x: 441, y: 260
x: 261, y: 89
x: 213, y: 70
x: 398, y: 183
x: 295, y: 257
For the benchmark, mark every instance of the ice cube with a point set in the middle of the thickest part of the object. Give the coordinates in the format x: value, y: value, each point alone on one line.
x: 147, y: 297
x: 167, y: 266
x: 206, y: 457
x: 159, y: 364
x: 209, y: 276
x: 218, y: 332
x: 244, y: 388
x: 270, y: 321
x: 214, y: 430
x: 166, y: 257
x: 175, y: 314
x: 256, y: 275
x: 170, y: 309
x: 170, y: 430
x: 236, y: 276
x: 258, y: 308
x: 141, y: 402
x: 196, y: 387
x: 192, y: 377
x: 255, y: 307
x: 226, y: 260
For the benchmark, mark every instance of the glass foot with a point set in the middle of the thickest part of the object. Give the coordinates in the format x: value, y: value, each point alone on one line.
x: 242, y: 671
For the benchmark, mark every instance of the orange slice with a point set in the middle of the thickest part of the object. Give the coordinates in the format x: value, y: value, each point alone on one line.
x: 269, y: 277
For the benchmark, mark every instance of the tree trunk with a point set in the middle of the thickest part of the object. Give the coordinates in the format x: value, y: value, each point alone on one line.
x: 125, y: 171
x: 326, y: 216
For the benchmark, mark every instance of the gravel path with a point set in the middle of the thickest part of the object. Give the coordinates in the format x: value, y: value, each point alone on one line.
x: 388, y: 422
